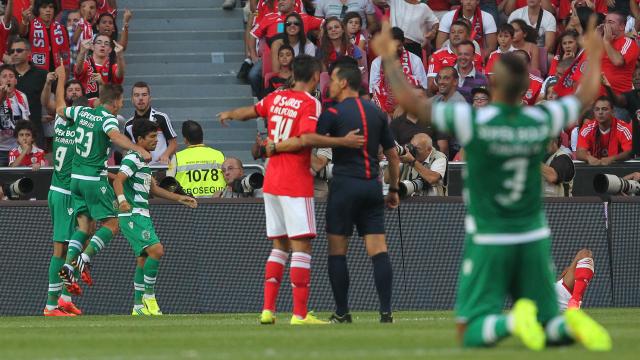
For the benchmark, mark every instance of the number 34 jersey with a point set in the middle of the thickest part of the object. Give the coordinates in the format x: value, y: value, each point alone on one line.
x: 92, y: 142
x: 63, y: 150
x: 289, y: 113
x: 504, y: 148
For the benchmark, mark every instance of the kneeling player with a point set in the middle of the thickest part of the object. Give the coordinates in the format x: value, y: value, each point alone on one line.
x: 574, y: 280
x: 132, y: 186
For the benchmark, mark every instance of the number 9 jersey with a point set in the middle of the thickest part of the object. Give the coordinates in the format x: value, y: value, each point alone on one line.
x: 92, y: 142
x: 289, y: 113
x: 63, y: 152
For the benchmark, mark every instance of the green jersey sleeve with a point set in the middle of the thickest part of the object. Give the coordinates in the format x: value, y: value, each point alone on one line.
x: 110, y: 124
x: 71, y: 112
x: 454, y: 118
x: 562, y: 112
x: 130, y: 164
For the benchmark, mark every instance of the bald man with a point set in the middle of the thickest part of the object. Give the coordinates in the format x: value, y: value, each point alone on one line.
x: 426, y: 163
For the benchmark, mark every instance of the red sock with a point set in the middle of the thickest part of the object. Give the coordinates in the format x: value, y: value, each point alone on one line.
x: 582, y: 275
x: 300, y: 273
x: 273, y: 277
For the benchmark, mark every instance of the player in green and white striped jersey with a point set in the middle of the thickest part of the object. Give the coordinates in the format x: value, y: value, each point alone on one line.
x: 64, y: 224
x: 93, y: 198
x: 132, y: 185
x: 507, y: 243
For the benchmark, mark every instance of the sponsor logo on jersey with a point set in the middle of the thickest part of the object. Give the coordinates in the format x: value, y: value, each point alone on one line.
x: 146, y: 234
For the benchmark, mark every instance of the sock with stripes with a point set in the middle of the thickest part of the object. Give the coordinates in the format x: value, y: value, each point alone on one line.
x: 273, y: 278
x: 76, y: 244
x: 557, y: 332
x: 99, y: 241
x: 487, y: 330
x: 138, y: 285
x: 339, y: 278
x: 55, y: 284
x: 150, y: 271
x: 383, y: 276
x: 300, y: 274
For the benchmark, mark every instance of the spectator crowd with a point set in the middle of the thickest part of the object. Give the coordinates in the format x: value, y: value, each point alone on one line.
x: 447, y: 49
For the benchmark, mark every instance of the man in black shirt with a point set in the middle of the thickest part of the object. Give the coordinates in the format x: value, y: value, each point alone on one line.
x: 355, y: 192
x: 31, y: 81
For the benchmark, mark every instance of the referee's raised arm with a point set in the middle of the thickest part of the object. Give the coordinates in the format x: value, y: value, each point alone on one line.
x: 384, y: 45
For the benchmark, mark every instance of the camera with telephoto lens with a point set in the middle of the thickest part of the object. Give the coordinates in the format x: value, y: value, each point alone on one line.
x: 409, y: 148
x: 615, y: 185
x: 248, y: 183
x: 410, y: 187
x: 18, y: 188
x: 170, y: 184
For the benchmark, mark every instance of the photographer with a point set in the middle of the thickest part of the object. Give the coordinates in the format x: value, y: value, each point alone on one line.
x: 422, y: 162
x: 558, y: 170
x: 233, y: 174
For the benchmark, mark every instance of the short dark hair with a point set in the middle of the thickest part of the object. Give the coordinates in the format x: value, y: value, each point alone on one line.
x: 10, y: 68
x: 24, y: 125
x: 518, y: 76
x: 286, y: 47
x: 480, y: 90
x: 462, y: 23
x: 506, y: 28
x: 467, y: 42
x: 71, y: 82
x: 192, y: 131
x: 18, y: 39
x: 397, y: 34
x: 347, y: 69
x: 453, y: 71
x: 142, y: 128
x: 604, y: 98
x: 305, y: 67
x: 40, y: 3
x: 109, y: 93
x: 351, y: 15
x: 141, y: 84
x: 622, y: 18
x: 522, y: 54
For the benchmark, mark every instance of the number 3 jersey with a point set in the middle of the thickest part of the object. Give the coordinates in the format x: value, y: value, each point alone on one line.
x: 92, y: 142
x: 64, y: 145
x: 138, y: 184
x: 504, y: 148
x: 289, y: 113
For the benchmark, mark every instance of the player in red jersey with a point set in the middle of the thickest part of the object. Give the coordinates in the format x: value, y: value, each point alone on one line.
x: 288, y: 186
x: 574, y: 280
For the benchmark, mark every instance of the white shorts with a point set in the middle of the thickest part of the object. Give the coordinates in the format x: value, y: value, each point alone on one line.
x: 563, y: 295
x: 291, y: 217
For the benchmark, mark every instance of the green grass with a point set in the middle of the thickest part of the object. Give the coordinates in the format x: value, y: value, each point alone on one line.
x: 415, y: 335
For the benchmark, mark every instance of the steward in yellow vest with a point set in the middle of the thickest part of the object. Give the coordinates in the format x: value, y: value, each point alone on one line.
x: 198, y: 167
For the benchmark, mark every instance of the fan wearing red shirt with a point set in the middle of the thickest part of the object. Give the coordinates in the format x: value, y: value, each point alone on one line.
x: 5, y: 29
x: 288, y: 187
x: 447, y: 56
x: 91, y: 70
x: 266, y: 7
x: 530, y: 97
x: 621, y: 54
x: 27, y: 153
x: 605, y: 139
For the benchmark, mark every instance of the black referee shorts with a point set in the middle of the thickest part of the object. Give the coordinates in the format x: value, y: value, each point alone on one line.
x: 354, y: 201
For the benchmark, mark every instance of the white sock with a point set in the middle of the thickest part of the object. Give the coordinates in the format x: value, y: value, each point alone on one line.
x: 137, y: 307
x: 149, y: 296
x: 51, y: 307
x: 66, y: 298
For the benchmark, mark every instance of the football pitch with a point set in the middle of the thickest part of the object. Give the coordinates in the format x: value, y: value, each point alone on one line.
x: 414, y: 335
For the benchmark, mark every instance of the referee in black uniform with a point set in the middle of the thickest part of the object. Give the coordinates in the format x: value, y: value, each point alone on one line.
x: 355, y: 192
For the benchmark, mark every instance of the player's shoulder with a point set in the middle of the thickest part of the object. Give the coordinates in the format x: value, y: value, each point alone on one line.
x: 441, y: 52
x: 134, y: 157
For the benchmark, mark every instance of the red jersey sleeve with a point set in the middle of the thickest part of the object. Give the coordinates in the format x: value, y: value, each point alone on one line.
x: 630, y: 52
x: 491, y: 61
x: 585, y: 139
x: 260, y: 28
x: 311, y: 23
x: 261, y: 106
x: 624, y: 135
x: 309, y: 116
x: 40, y: 157
x: 115, y: 78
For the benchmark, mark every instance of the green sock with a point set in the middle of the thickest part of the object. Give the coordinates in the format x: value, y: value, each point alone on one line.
x: 138, y: 285
x: 76, y: 244
x: 558, y: 332
x: 150, y: 273
x: 486, y: 331
x: 55, y: 284
x: 99, y: 241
